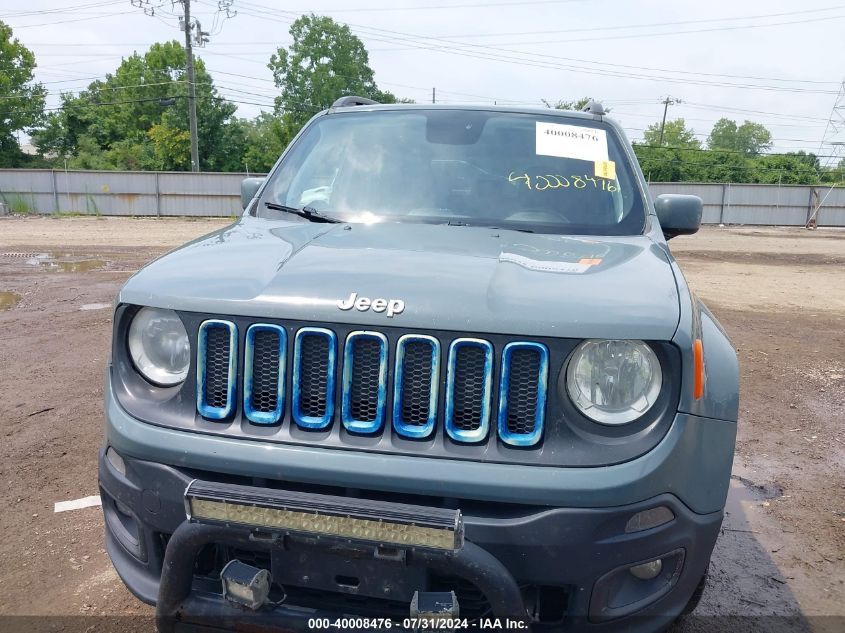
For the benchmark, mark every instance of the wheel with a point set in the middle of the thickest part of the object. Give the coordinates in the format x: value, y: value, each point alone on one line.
x: 695, y: 598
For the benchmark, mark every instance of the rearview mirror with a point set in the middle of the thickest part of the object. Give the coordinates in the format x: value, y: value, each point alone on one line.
x: 678, y: 214
x: 249, y: 186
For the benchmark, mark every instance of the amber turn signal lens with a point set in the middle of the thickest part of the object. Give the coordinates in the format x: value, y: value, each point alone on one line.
x: 698, y: 360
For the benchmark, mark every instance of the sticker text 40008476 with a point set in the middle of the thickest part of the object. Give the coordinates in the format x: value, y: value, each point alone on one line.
x: 556, y: 181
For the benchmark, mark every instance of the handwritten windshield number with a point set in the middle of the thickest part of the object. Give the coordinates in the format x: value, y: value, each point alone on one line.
x: 556, y: 181
x: 525, y: 177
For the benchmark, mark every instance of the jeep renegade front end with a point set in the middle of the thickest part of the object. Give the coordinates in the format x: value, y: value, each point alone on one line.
x: 443, y: 364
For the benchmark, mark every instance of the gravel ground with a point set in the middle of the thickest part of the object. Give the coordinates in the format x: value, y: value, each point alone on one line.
x: 780, y: 293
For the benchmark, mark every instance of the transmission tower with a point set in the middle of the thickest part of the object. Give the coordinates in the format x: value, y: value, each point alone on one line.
x: 831, y: 151
x: 194, y: 36
x: 832, y: 147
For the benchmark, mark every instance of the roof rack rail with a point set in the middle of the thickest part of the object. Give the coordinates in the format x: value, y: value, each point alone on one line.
x: 349, y: 100
x: 595, y: 107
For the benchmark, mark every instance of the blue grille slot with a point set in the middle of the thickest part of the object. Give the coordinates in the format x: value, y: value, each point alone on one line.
x: 217, y: 366
x: 314, y: 361
x: 415, y: 383
x: 469, y: 386
x: 264, y: 373
x: 364, y: 399
x: 522, y: 393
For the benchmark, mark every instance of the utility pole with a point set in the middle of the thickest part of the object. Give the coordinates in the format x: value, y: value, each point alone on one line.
x: 192, y: 93
x: 666, y: 103
x: 188, y: 25
x: 433, y: 92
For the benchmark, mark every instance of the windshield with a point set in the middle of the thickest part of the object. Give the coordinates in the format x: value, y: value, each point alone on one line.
x: 545, y: 174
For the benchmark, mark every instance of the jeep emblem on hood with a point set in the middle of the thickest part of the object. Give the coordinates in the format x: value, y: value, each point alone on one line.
x: 391, y: 306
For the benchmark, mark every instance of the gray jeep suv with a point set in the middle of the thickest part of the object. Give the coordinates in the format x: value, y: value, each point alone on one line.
x: 444, y: 372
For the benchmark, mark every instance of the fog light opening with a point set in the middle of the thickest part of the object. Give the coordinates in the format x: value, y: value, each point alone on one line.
x: 632, y: 587
x: 647, y: 571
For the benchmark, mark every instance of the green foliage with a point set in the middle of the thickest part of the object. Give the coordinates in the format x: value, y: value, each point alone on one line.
x: 18, y: 203
x: 121, y: 123
x: 749, y: 138
x: 675, y: 134
x: 678, y: 164
x: 577, y: 105
x: 172, y: 146
x: 265, y: 138
x: 22, y: 102
x: 325, y: 61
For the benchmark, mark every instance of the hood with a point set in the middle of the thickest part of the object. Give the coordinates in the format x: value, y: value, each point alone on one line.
x: 447, y: 277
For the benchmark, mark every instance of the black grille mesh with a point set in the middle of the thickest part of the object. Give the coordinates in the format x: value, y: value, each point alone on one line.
x: 416, y: 383
x: 366, y: 362
x: 313, y: 374
x: 468, y: 398
x: 217, y: 366
x: 265, y: 371
x: 523, y: 386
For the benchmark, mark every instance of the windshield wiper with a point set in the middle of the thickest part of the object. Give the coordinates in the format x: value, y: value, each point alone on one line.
x: 485, y: 226
x: 309, y: 213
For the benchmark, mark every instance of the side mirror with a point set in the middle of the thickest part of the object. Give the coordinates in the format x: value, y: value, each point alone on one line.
x: 248, y: 188
x: 678, y: 214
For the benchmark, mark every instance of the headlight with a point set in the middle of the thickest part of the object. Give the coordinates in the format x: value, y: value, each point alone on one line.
x: 159, y: 346
x: 613, y: 382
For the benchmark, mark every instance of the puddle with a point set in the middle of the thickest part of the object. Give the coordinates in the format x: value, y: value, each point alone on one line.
x: 8, y: 299
x: 95, y: 306
x: 64, y: 263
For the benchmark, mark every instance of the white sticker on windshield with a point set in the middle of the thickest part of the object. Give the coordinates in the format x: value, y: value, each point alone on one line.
x: 571, y: 141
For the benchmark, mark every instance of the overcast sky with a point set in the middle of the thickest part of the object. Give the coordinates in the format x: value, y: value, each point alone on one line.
x: 630, y: 54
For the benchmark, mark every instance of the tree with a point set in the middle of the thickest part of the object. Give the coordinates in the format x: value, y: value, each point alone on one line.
x: 265, y: 140
x: 21, y: 100
x: 577, y: 105
x: 675, y: 134
x: 137, y: 118
x: 792, y: 168
x: 325, y: 61
x: 749, y: 138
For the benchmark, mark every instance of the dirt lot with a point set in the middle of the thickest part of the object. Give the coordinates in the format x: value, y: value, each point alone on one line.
x: 779, y: 293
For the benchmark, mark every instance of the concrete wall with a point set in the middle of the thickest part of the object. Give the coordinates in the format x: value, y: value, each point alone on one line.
x: 218, y: 194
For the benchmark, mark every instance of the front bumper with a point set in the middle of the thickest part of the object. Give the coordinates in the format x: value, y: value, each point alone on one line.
x: 555, y: 531
x: 693, y: 462
x: 557, y: 552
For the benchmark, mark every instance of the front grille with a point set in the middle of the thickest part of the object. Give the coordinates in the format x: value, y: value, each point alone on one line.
x: 522, y: 387
x: 364, y: 382
x: 468, y: 389
x: 415, y: 385
x: 264, y: 382
x: 364, y: 393
x: 313, y: 377
x: 522, y: 393
x: 216, y: 368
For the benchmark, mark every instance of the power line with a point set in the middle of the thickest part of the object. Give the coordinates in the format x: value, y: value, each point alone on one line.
x: 194, y: 35
x: 516, y: 57
x: 651, y: 25
x: 64, y: 9
x: 85, y: 19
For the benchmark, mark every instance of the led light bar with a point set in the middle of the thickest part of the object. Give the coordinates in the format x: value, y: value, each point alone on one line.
x: 377, y: 522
